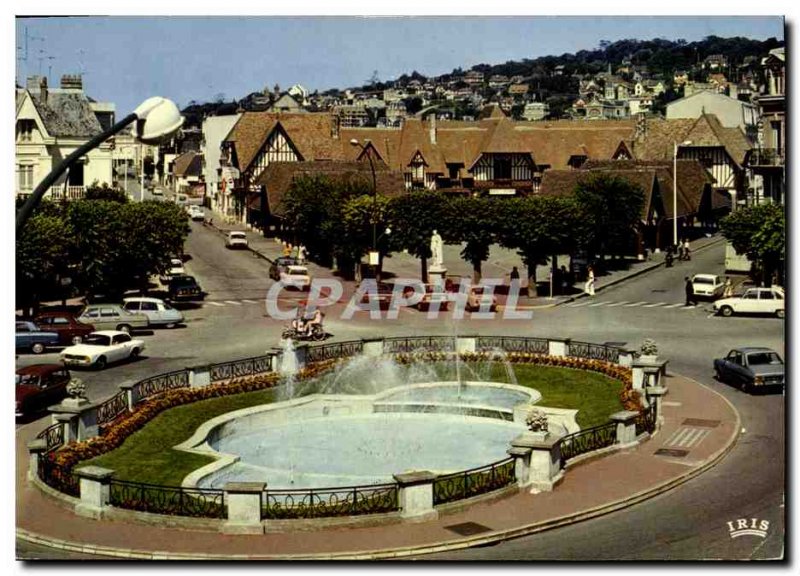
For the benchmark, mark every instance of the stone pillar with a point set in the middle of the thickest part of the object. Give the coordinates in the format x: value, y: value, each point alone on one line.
x: 466, y: 344
x: 416, y: 495
x: 657, y: 393
x: 70, y: 423
x: 36, y: 448
x: 522, y: 464
x: 544, y: 470
x: 199, y: 376
x: 244, y: 501
x: 626, y: 426
x: 648, y: 373
x: 626, y: 358
x: 372, y: 346
x: 129, y: 395
x: 301, y: 353
x: 95, y: 487
x: 79, y: 417
x: 557, y: 347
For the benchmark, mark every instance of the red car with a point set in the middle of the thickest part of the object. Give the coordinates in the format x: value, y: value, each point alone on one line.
x: 40, y: 386
x: 70, y: 331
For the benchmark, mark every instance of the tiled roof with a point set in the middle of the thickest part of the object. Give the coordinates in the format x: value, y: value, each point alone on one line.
x: 67, y: 114
x: 188, y: 164
x: 277, y: 178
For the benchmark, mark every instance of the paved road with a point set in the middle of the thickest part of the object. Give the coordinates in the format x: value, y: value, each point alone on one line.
x: 687, y: 523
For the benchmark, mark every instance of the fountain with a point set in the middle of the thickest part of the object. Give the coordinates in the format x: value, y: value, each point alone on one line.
x: 367, y: 419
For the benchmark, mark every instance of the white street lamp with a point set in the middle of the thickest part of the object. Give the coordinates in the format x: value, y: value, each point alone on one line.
x: 675, y: 190
x: 156, y: 120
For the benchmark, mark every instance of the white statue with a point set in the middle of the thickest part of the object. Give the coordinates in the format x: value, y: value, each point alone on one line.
x: 437, y: 259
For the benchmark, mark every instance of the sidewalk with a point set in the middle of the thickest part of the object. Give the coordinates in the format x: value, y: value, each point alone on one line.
x: 499, y: 264
x: 699, y: 428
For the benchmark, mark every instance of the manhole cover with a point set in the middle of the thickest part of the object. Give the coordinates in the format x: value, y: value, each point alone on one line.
x: 468, y: 528
x: 671, y: 452
x: 701, y: 422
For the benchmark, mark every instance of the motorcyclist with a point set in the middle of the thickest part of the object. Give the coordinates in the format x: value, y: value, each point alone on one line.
x: 315, y: 320
x: 299, y: 323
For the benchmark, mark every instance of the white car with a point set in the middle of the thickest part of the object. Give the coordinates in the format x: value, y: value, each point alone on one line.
x: 101, y: 348
x: 157, y: 311
x: 197, y: 213
x: 175, y: 269
x: 707, y: 285
x: 296, y: 277
x: 236, y: 239
x: 754, y: 301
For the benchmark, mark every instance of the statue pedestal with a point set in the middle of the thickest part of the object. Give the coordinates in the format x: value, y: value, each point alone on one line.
x: 436, y: 274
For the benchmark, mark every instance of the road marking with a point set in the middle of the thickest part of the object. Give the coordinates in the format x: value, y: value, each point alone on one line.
x: 654, y: 305
x: 250, y: 301
x: 636, y: 304
x: 685, y: 307
x: 674, y: 305
x: 577, y: 305
x: 618, y: 303
x: 215, y: 303
x: 687, y: 437
x: 599, y: 304
x: 233, y: 302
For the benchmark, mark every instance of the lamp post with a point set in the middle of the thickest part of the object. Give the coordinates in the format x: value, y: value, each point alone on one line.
x: 373, y: 255
x: 156, y: 119
x: 675, y: 190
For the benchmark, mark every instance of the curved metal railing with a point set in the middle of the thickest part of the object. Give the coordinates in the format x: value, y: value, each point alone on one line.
x: 329, y: 502
x: 473, y: 482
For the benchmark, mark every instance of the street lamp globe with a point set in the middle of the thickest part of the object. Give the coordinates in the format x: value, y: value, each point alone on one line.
x: 157, y: 119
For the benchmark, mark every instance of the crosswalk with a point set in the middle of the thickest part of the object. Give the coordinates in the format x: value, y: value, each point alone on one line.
x: 591, y: 303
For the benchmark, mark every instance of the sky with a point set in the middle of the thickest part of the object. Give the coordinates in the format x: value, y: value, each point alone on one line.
x: 126, y: 59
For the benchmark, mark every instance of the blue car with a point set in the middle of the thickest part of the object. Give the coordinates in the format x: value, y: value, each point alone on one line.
x: 31, y: 337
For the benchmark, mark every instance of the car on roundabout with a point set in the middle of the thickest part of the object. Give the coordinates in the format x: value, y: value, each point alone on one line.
x: 280, y: 264
x: 479, y: 298
x: 30, y: 337
x: 102, y: 348
x: 158, y: 312
x: 176, y: 268
x: 751, y: 368
x: 295, y: 276
x: 69, y: 329
x: 39, y: 386
x: 770, y: 301
x: 184, y: 287
x: 707, y: 286
x: 112, y: 317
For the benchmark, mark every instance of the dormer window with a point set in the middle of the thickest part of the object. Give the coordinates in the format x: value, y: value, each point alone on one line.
x: 25, y: 130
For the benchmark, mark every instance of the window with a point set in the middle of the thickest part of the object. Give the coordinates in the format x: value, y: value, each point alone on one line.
x: 502, y: 168
x: 25, y: 176
x: 25, y: 130
x: 132, y: 306
x: 108, y: 313
x: 59, y: 321
x: 22, y: 327
x: 149, y: 306
x: 735, y: 357
x: 751, y: 295
x: 121, y: 339
x: 767, y: 295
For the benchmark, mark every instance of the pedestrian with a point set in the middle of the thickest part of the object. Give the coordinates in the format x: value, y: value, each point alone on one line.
x: 589, y: 286
x: 301, y: 253
x: 690, y: 299
x: 727, y: 290
x: 287, y: 249
x: 564, y: 279
x: 514, y: 274
x: 687, y: 254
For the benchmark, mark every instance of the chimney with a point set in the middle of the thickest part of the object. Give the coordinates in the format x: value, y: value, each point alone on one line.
x: 72, y: 82
x: 432, y: 122
x: 641, y: 127
x: 33, y: 83
x: 43, y: 89
x: 335, y: 126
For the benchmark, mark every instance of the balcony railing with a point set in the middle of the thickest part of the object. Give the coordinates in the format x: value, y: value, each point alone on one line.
x: 70, y: 193
x: 767, y: 157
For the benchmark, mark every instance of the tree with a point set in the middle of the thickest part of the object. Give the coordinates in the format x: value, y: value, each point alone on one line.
x: 610, y: 208
x: 474, y: 222
x: 105, y: 192
x: 760, y: 233
x: 364, y: 220
x: 41, y: 257
x: 537, y: 227
x: 413, y: 217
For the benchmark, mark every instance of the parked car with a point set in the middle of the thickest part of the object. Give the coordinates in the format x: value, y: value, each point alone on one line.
x: 30, y: 337
x: 296, y: 277
x: 68, y: 328
x: 280, y: 264
x: 708, y: 285
x: 39, y: 386
x: 750, y: 368
x: 184, y: 287
x: 754, y: 301
x: 382, y: 294
x: 112, y: 317
x: 158, y: 312
x: 175, y: 268
x: 197, y: 213
x: 480, y: 296
x: 236, y: 239
x: 433, y: 292
x: 102, y: 348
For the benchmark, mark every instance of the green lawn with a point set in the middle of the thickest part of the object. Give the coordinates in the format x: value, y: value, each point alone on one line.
x: 147, y: 455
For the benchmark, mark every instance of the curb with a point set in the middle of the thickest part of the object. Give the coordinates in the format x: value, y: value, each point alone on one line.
x: 649, y: 268
x: 404, y: 552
